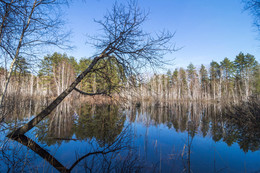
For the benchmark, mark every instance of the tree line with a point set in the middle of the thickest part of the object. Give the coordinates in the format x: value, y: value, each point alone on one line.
x: 228, y: 80
x: 57, y: 71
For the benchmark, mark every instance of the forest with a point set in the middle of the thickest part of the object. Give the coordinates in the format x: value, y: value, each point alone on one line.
x: 122, y: 107
x: 230, y: 81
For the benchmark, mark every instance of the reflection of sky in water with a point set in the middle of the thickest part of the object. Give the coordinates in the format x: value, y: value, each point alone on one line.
x: 162, y: 148
x: 204, y: 151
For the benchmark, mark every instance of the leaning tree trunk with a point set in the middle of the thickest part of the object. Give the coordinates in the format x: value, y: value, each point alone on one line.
x: 56, y: 102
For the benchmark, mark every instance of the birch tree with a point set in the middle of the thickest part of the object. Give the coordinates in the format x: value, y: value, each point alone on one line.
x: 27, y: 26
x: 124, y: 39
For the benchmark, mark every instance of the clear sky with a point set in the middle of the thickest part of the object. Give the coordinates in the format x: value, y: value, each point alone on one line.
x: 205, y: 29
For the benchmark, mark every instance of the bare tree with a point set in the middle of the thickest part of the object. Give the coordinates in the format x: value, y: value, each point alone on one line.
x: 26, y: 26
x: 253, y: 6
x: 124, y: 39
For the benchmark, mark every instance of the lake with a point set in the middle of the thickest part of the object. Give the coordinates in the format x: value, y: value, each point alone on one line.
x: 165, y: 137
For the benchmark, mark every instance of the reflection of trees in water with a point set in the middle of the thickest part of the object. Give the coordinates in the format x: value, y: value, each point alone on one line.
x: 58, y: 126
x: 186, y: 153
x: 109, y: 142
x: 204, y: 126
x: 104, y: 123
x: 243, y: 124
x: 217, y: 130
x: 20, y: 110
x: 207, y: 119
x: 117, y: 156
x: 121, y: 156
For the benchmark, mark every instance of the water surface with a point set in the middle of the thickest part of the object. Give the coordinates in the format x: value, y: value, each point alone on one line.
x: 172, y: 137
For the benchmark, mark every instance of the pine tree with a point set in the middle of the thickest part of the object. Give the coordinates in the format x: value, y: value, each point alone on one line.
x: 204, y: 81
x: 192, y: 81
x: 214, y: 77
x: 245, y: 65
x: 57, y: 71
x: 228, y: 73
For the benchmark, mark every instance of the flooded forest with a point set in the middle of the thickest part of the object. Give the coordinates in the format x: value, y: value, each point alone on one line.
x: 115, y: 111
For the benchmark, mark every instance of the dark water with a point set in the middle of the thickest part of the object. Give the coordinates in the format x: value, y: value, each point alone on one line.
x: 176, y: 137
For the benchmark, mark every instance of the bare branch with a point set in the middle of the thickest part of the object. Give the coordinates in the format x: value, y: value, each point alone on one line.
x: 90, y: 94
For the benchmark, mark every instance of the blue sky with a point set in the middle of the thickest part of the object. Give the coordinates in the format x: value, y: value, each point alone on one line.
x: 205, y: 29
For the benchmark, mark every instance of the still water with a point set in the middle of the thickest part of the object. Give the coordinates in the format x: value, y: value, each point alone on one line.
x: 172, y: 137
